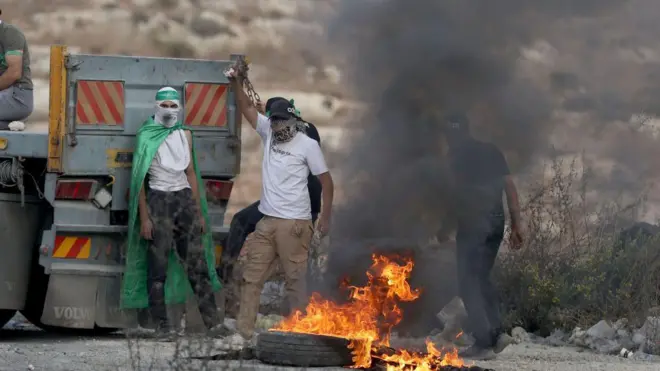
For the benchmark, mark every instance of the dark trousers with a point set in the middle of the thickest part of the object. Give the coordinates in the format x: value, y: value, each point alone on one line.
x: 176, y: 225
x: 477, y: 244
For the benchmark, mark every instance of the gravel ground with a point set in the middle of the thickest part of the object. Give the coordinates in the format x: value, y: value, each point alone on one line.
x: 23, y: 347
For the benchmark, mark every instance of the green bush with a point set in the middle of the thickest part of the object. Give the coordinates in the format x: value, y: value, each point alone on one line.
x: 573, y: 270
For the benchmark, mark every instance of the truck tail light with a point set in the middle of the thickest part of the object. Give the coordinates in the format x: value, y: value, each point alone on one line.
x: 76, y: 189
x: 218, y: 190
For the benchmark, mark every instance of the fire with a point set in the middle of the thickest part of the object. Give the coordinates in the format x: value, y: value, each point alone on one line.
x: 368, y: 317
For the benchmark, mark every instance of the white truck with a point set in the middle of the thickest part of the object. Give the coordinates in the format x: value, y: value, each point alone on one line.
x: 63, y: 255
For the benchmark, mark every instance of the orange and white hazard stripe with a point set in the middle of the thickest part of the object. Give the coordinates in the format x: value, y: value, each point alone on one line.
x: 206, y: 104
x: 99, y: 102
x: 72, y: 247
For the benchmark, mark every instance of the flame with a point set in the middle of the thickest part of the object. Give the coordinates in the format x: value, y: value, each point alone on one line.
x: 368, y: 317
x: 412, y: 361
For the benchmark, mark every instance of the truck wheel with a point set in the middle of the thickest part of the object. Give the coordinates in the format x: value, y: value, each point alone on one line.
x: 303, y: 350
x: 36, y: 297
x: 5, y: 316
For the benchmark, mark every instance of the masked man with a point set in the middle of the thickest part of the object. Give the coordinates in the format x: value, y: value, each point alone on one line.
x: 244, y: 222
x: 168, y: 240
x: 480, y: 175
x: 285, y: 231
x: 16, y: 96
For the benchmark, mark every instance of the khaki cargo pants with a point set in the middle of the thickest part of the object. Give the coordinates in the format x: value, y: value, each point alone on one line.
x: 273, y: 238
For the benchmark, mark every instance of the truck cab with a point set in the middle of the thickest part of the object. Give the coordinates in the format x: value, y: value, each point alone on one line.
x: 64, y: 185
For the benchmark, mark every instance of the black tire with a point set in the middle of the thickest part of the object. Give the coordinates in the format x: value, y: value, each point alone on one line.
x: 5, y: 316
x: 303, y: 350
x: 37, y: 289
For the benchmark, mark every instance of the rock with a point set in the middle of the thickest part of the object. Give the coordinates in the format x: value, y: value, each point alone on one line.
x: 653, y: 312
x: 601, y: 330
x: 265, y: 323
x: 230, y: 323
x: 557, y: 338
x: 578, y: 337
x: 639, y: 339
x: 651, y: 332
x: 620, y: 324
x: 452, y: 312
x: 520, y: 335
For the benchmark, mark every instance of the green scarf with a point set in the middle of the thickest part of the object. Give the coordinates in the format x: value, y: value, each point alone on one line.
x: 134, y: 284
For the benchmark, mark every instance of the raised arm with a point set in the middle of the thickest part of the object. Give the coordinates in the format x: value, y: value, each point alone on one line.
x: 245, y: 106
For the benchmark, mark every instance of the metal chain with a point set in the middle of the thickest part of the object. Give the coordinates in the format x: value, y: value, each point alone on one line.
x: 242, y: 67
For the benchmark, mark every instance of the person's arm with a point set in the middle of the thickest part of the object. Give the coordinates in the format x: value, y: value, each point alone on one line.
x: 327, y: 195
x: 509, y: 189
x: 243, y: 102
x: 191, y: 175
x: 317, y: 167
x: 142, y: 205
x: 13, y: 44
x: 512, y: 201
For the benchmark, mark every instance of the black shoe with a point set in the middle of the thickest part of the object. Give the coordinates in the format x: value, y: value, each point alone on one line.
x: 477, y: 353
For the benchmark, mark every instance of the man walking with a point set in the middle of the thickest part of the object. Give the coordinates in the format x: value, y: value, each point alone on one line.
x: 480, y: 175
x: 286, y: 229
x: 16, y: 96
x: 168, y: 242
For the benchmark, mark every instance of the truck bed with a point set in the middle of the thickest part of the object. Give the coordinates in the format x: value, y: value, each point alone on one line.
x: 37, y: 127
x: 31, y: 142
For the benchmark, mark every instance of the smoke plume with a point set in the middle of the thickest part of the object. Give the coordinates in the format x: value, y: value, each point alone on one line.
x: 537, y: 78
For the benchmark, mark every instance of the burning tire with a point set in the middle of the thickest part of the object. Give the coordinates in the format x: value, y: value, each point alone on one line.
x: 303, y: 350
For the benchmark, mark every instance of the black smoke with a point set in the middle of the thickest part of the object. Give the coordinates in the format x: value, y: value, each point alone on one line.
x: 412, y: 61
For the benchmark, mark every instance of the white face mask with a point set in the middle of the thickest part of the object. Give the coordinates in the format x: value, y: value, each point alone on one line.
x: 167, y: 117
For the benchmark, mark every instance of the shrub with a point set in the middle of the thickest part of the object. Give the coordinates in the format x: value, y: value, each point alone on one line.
x: 574, y: 270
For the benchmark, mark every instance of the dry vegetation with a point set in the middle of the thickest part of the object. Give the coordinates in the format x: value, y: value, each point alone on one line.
x: 576, y: 268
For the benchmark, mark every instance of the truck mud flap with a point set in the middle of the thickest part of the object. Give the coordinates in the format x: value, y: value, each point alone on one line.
x: 83, y: 301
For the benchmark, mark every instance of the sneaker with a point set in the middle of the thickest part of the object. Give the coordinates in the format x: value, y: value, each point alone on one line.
x: 503, y: 341
x: 477, y: 353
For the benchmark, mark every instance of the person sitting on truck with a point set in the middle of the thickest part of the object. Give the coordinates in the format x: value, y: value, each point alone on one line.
x: 168, y: 209
x: 286, y: 229
x: 16, y: 95
x: 244, y: 222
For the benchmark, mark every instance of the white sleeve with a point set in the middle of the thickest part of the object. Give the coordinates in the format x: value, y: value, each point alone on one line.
x: 315, y: 159
x: 263, y: 126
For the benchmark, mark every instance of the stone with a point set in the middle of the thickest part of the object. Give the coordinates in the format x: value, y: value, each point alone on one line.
x: 651, y: 332
x: 452, y: 312
x: 653, y: 312
x: 265, y: 323
x: 601, y: 330
x: 620, y: 324
x: 520, y: 335
x: 578, y: 337
x: 557, y: 338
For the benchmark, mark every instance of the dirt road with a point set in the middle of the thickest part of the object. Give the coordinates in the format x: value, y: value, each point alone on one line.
x: 23, y: 347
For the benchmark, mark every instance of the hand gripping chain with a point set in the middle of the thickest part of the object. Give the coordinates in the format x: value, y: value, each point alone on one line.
x: 242, y: 67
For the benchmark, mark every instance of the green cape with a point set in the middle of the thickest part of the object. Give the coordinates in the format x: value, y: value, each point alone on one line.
x: 134, y: 285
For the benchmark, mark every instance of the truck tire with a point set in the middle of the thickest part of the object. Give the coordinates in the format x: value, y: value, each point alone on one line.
x: 303, y: 350
x: 36, y: 297
x: 5, y: 316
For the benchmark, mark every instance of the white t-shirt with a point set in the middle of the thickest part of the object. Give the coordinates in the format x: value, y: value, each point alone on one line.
x: 167, y: 172
x: 284, y: 170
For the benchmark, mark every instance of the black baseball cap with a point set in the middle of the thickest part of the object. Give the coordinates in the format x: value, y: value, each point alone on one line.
x: 282, y: 109
x: 270, y: 101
